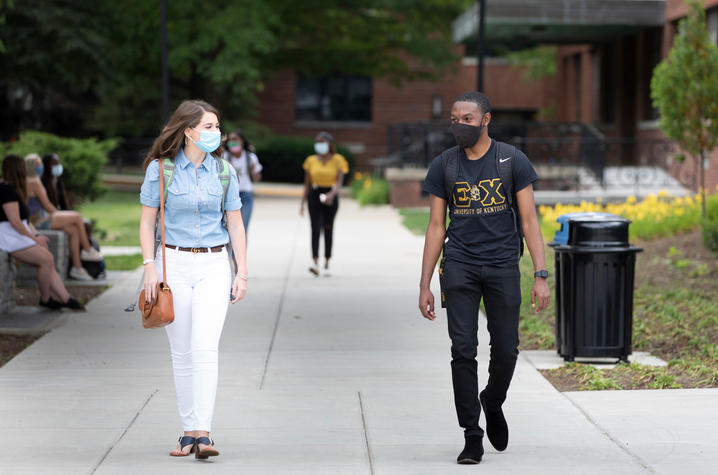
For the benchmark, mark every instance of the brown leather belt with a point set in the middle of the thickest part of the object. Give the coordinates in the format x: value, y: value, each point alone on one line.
x: 196, y: 250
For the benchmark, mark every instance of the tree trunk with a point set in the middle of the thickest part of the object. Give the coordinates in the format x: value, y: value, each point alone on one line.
x: 703, y: 186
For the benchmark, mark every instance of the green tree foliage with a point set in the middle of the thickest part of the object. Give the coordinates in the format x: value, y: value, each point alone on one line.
x: 104, y: 56
x: 685, y: 91
x: 538, y: 62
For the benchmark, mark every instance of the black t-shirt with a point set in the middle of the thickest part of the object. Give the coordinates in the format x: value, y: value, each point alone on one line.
x: 481, y: 230
x: 8, y: 195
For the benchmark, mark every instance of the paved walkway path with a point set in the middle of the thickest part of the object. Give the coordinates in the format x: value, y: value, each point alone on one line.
x: 321, y: 376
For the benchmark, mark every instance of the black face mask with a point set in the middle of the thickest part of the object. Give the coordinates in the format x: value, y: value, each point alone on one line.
x: 466, y: 135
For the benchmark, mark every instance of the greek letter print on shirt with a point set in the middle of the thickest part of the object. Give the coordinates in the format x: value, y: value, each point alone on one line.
x: 481, y: 229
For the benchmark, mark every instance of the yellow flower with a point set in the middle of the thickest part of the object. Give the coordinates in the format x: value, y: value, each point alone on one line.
x: 358, y: 175
x: 631, y: 200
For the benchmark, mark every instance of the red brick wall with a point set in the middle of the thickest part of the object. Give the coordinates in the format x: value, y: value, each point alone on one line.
x: 410, y: 102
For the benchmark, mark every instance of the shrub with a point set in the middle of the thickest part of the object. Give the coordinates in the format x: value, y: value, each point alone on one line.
x: 368, y: 190
x: 81, y: 159
x: 282, y: 157
x: 710, y: 226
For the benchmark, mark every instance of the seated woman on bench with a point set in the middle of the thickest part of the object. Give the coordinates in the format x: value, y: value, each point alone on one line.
x: 45, y: 215
x: 21, y: 240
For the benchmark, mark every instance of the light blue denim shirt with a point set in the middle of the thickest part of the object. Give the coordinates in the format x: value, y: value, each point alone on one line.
x: 193, y: 210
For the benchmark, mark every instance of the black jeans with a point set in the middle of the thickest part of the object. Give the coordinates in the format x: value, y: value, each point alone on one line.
x: 500, y: 287
x: 322, y: 218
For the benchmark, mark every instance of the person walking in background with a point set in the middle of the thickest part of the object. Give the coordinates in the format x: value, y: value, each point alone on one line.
x: 242, y: 156
x: 487, y: 186
x: 20, y: 239
x: 45, y: 215
x: 198, y: 268
x: 323, y: 176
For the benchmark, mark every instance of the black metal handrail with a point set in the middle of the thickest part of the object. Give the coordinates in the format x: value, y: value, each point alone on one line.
x: 566, y: 146
x: 417, y: 143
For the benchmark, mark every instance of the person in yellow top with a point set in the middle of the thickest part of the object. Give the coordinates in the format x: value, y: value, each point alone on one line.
x: 323, y: 176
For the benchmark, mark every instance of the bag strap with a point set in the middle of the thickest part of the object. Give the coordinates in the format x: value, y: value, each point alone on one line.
x: 162, y: 220
x: 450, y: 164
x: 167, y: 175
x: 505, y: 155
x: 224, y: 171
x: 504, y: 165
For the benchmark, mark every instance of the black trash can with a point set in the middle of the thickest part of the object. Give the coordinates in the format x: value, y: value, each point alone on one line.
x: 595, y: 268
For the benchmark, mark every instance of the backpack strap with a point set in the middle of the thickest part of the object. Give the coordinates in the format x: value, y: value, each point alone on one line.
x: 224, y: 169
x: 168, y: 173
x: 505, y: 155
x: 450, y: 165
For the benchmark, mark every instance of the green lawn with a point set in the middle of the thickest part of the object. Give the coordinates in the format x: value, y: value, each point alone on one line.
x: 130, y: 262
x: 117, y: 218
x: 417, y: 220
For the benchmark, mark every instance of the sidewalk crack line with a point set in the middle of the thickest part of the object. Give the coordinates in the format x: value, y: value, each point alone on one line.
x: 366, y: 434
x: 617, y: 442
x: 117, y: 441
x: 598, y: 426
x: 280, y: 308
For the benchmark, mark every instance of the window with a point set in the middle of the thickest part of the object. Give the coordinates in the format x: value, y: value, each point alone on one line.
x: 652, y: 47
x: 607, y: 88
x: 334, y: 98
x: 712, y: 20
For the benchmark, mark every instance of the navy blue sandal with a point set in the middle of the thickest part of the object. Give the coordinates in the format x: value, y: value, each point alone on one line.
x: 184, y: 441
x: 207, y: 452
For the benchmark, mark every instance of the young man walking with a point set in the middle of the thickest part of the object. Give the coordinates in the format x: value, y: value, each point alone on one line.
x: 487, y: 186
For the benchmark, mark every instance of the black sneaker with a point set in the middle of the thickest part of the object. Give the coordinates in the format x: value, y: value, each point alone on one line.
x: 51, y: 303
x: 73, y: 304
x: 473, y: 450
x: 496, y: 428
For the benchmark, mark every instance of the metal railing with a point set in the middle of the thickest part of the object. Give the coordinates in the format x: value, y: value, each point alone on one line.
x: 567, y: 150
x: 417, y: 143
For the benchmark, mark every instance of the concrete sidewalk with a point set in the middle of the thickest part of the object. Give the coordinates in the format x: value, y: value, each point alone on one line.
x: 323, y: 375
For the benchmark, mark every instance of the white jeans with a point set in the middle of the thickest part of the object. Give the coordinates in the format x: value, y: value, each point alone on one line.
x: 200, y: 286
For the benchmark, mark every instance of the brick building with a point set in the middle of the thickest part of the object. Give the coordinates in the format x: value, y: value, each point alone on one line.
x: 292, y: 105
x: 606, y: 55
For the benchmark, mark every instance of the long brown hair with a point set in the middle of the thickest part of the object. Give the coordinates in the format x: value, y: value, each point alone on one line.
x: 54, y: 186
x: 13, y: 172
x: 170, y: 140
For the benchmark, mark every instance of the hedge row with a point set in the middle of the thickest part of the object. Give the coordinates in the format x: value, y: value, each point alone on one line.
x: 81, y: 159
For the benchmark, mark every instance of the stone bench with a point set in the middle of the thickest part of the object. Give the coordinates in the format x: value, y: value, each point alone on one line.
x: 7, y: 279
x: 59, y: 247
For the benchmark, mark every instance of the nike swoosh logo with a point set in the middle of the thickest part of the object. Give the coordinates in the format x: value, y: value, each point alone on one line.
x: 502, y: 160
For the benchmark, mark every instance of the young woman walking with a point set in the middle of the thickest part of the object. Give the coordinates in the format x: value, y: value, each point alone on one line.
x: 240, y: 153
x: 323, y: 176
x: 198, y: 268
x: 20, y: 239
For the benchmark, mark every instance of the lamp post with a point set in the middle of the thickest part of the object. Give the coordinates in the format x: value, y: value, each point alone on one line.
x: 165, y: 68
x: 480, y: 46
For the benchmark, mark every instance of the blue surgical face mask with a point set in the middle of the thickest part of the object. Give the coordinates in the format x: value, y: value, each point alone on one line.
x: 56, y: 170
x: 39, y: 170
x: 208, y: 140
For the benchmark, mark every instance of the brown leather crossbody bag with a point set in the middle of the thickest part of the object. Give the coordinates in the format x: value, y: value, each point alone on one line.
x: 160, y: 311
